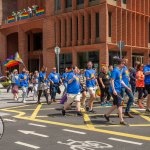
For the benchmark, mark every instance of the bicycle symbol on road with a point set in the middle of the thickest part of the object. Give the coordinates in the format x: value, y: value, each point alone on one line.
x: 85, y: 145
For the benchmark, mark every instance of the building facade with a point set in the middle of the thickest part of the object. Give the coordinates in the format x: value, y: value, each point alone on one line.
x: 83, y: 29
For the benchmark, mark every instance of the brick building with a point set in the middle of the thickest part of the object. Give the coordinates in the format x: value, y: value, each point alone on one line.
x: 83, y: 29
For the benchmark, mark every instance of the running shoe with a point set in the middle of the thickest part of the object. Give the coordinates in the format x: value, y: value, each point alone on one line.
x: 147, y: 111
x: 108, y: 104
x: 123, y: 123
x: 128, y: 114
x: 106, y: 117
x: 79, y: 114
x: 63, y: 112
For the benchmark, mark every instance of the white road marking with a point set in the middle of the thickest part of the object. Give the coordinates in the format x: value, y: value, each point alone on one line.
x: 139, y: 109
x: 27, y: 145
x: 10, y: 120
x: 37, y: 125
x: 33, y: 133
x: 73, y: 131
x: 125, y: 141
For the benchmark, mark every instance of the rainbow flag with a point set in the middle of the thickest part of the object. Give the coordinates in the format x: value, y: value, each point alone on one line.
x: 11, y: 19
x: 40, y: 11
x: 25, y: 15
x: 10, y: 62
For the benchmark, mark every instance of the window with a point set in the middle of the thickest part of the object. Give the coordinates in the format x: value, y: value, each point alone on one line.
x: 89, y: 20
x: 77, y: 27
x: 79, y: 2
x: 110, y: 23
x: 91, y: 0
x: 37, y: 41
x: 71, y: 29
x: 68, y: 3
x: 83, y: 26
x: 124, y: 1
x: 65, y: 61
x: 97, y: 25
x: 57, y: 4
x: 149, y: 32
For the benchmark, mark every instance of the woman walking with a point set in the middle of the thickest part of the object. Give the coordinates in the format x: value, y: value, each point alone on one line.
x: 15, y: 84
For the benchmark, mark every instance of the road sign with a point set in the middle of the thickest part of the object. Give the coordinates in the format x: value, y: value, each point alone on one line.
x: 57, y: 50
x: 121, y: 44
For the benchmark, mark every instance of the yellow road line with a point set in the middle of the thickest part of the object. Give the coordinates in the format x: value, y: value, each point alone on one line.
x: 34, y: 114
x: 143, y: 116
x: 133, y: 136
x: 16, y: 107
x: 87, y: 119
x: 131, y: 125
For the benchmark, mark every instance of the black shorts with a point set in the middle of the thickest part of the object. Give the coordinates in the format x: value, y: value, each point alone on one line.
x: 147, y: 87
x: 117, y: 100
x: 142, y: 92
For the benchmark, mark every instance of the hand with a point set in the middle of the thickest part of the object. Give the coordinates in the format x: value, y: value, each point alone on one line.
x: 114, y: 92
x: 129, y: 89
x: 103, y: 86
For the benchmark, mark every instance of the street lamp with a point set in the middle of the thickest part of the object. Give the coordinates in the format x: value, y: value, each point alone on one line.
x: 57, y: 52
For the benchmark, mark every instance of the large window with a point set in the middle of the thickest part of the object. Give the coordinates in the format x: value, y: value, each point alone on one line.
x: 68, y: 3
x: 89, y: 25
x: 77, y: 27
x: 37, y: 41
x: 65, y: 61
x: 109, y: 23
x: 113, y: 54
x: 149, y: 32
x: 84, y: 57
x: 79, y: 2
x: 124, y: 1
x: 97, y: 25
x: 57, y: 4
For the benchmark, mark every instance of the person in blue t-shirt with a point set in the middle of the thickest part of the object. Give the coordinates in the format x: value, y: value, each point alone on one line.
x: 126, y: 80
x: 23, y: 78
x: 147, y: 86
x: 42, y: 85
x: 91, y: 83
x: 55, y: 81
x: 73, y: 90
x: 115, y: 90
x: 64, y: 79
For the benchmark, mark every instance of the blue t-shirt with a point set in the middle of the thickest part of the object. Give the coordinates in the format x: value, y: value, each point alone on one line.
x: 117, y: 76
x: 74, y: 86
x: 125, y: 76
x: 64, y: 76
x: 42, y: 76
x: 147, y: 77
x: 23, y: 78
x: 89, y: 73
x: 55, y: 77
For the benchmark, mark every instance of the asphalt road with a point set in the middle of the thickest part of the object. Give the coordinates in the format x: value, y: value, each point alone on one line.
x: 33, y: 126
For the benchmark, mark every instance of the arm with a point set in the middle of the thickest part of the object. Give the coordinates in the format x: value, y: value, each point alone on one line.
x: 113, y: 87
x: 125, y: 86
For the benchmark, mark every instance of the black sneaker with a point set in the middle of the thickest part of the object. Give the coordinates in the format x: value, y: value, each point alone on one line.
x: 106, y: 117
x: 87, y: 108
x: 147, y: 111
x: 91, y: 111
x: 79, y: 114
x: 123, y: 123
x: 63, y: 112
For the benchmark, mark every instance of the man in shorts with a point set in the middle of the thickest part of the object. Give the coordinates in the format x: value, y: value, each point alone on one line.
x: 73, y: 91
x: 115, y: 90
x: 91, y: 82
x: 147, y: 86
